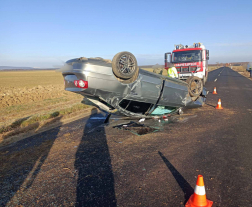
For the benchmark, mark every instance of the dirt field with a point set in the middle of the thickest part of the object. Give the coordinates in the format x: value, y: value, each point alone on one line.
x: 22, y: 87
x: 25, y: 94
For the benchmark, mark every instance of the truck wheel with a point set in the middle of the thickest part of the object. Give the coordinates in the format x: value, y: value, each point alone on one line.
x: 124, y: 65
x: 195, y: 86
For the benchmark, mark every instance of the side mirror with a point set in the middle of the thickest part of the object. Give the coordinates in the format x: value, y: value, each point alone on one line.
x: 170, y: 58
x: 167, y: 56
x: 207, y: 54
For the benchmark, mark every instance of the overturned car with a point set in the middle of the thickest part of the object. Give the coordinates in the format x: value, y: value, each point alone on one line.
x: 122, y: 87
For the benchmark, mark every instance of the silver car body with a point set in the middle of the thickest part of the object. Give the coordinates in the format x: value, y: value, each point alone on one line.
x: 110, y: 94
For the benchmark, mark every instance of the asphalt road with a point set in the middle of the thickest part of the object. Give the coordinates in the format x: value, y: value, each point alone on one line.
x: 87, y: 163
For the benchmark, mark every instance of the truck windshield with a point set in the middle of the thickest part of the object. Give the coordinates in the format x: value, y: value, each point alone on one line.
x: 186, y: 56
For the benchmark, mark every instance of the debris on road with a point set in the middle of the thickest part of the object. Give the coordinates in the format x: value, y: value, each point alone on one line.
x: 136, y: 128
x: 151, y: 125
x: 142, y: 120
x: 165, y: 118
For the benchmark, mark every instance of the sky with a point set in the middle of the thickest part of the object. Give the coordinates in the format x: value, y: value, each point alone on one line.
x: 47, y: 33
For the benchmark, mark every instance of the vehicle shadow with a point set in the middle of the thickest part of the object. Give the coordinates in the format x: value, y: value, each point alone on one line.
x: 95, y: 185
x: 20, y: 164
x: 183, y: 184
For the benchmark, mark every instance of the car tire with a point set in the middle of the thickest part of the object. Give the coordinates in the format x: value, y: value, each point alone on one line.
x: 195, y: 86
x: 124, y: 65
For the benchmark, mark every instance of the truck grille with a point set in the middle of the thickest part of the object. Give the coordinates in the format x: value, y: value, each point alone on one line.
x: 186, y: 69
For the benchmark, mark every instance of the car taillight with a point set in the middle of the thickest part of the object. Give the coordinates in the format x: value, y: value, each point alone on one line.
x: 81, y: 83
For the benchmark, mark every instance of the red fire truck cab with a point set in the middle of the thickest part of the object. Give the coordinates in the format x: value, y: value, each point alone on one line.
x: 190, y: 61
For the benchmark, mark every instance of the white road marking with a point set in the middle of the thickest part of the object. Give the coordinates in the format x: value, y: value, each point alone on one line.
x: 219, y: 75
x: 215, y: 80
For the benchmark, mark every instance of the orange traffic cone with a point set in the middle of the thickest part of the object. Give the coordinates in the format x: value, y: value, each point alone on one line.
x: 219, y: 104
x: 214, y: 91
x: 198, y: 199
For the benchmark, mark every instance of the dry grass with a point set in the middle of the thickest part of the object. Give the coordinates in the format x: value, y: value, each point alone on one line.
x: 29, y: 79
x: 18, y: 88
x: 27, y: 92
x: 24, y: 122
x: 242, y: 70
x: 160, y: 71
x: 211, y: 68
x: 28, y: 97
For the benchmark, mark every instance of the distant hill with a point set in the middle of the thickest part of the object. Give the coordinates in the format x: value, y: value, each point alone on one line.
x: 24, y: 68
x: 239, y: 63
x: 12, y: 67
x: 230, y: 64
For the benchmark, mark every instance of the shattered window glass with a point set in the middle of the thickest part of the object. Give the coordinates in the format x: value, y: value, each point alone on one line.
x: 160, y: 110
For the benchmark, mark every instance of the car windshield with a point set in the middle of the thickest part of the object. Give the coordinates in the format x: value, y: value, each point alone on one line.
x: 186, y: 56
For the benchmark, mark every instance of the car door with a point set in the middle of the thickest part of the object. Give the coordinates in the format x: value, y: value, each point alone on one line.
x: 174, y: 93
x: 147, y: 88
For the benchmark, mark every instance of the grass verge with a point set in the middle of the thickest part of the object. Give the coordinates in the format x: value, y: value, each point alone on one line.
x: 242, y: 70
x: 33, y: 121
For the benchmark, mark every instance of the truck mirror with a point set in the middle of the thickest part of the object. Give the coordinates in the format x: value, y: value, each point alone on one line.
x: 167, y: 58
x: 207, y: 54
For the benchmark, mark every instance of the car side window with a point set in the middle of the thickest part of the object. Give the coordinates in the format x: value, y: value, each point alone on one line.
x: 135, y: 106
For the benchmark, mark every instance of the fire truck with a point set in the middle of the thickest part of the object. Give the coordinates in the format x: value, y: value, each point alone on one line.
x: 189, y: 61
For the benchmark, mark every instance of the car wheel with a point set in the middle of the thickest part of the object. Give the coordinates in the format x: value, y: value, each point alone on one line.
x: 124, y: 65
x: 195, y: 86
